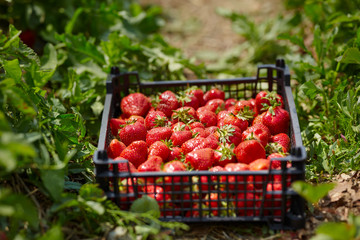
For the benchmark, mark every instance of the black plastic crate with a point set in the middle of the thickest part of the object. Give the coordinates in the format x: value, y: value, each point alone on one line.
x: 203, y: 196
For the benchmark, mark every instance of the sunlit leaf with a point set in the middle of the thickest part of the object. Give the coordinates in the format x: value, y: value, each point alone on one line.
x: 310, y: 192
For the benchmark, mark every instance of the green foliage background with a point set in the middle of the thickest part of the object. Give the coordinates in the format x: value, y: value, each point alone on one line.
x: 51, y: 99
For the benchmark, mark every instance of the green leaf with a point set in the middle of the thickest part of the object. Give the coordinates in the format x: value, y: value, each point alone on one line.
x: 55, y: 233
x: 53, y: 181
x: 336, y: 231
x: 312, y: 193
x: 91, y: 192
x: 351, y: 55
x: 13, y: 69
x: 69, y: 185
x: 146, y: 204
x: 96, y: 207
x: 70, y: 25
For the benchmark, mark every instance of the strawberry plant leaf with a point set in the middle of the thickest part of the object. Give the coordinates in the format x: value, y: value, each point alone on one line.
x: 350, y: 56
x: 146, y: 204
x: 13, y: 69
x: 312, y: 193
x: 53, y: 181
x: 54, y: 233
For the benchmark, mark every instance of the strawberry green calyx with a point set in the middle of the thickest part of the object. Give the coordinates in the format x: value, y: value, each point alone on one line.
x: 155, y: 100
x: 227, y: 152
x: 274, y: 147
x: 273, y: 99
x: 183, y: 115
x: 161, y: 122
x: 225, y: 132
x: 184, y: 97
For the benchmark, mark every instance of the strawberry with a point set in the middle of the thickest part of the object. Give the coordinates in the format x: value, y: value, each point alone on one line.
x: 193, y: 144
x: 115, y: 148
x: 265, y: 99
x: 224, y: 154
x: 279, y: 143
x: 276, y: 164
x: 218, y: 204
x: 127, y: 187
x: 249, y: 150
x: 132, y: 132
x: 135, y: 104
x: 257, y: 165
x: 258, y: 132
x: 179, y: 126
x: 237, y: 181
x: 237, y: 120
x: 211, y: 129
x: 155, y: 119
x: 157, y: 134
x: 115, y: 125
x: 167, y: 102
x: 200, y: 132
x: 201, y: 159
x: 207, y: 117
x: 258, y: 119
x: 215, y: 105
x: 136, y: 153
x: 209, y: 182
x: 159, y: 148
x: 213, y: 94
x: 247, y: 204
x: 277, y: 120
x: 240, y: 105
x: 198, y: 93
x: 222, y: 114
x: 272, y: 203
x: 230, y: 102
x: 158, y: 194
x: 187, y: 99
x: 184, y: 114
x: 196, y: 125
x: 173, y: 183
x: 179, y: 137
x: 134, y: 118
x: 152, y: 164
x: 125, y: 166
x: 211, y: 142
x: 175, y: 154
x: 229, y: 134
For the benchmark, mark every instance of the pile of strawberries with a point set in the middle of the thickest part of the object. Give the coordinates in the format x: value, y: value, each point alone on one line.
x: 195, y: 130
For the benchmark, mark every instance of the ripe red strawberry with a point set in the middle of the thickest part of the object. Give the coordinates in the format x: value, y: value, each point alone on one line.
x: 222, y: 114
x: 224, y: 154
x: 193, y: 144
x: 135, y: 104
x: 200, y: 132
x: 240, y: 105
x: 115, y: 125
x: 230, y: 102
x: 277, y: 120
x: 211, y: 142
x: 132, y: 132
x: 249, y: 150
x: 247, y: 204
x: 160, y: 149
x: 179, y: 137
x: 219, y: 205
x: 258, y: 119
x: 136, y: 153
x: 184, y: 114
x: 265, y: 99
x: 272, y: 203
x: 179, y: 126
x: 173, y: 183
x: 157, y: 134
x: 176, y: 153
x: 211, y: 130
x: 237, y: 181
x: 201, y: 159
x: 213, y: 94
x: 258, y: 132
x: 115, y: 148
x: 125, y: 166
x: 215, y: 105
x: 207, y: 117
x: 238, y: 120
x: 158, y: 194
x: 152, y: 164
x: 229, y: 134
x: 213, y: 181
x: 196, y: 125
x: 167, y: 103
x: 276, y: 164
x: 279, y: 143
x: 187, y: 99
x: 257, y: 165
x: 134, y: 118
x: 198, y: 93
x: 155, y: 119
